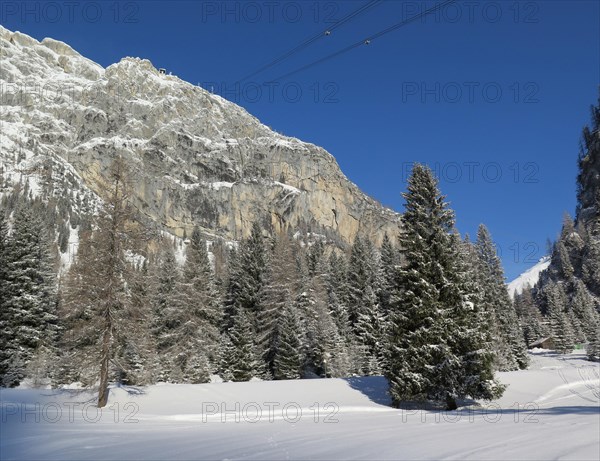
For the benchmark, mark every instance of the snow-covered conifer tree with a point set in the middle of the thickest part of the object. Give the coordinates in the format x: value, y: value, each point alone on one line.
x: 29, y: 317
x: 287, y: 360
x: 511, y: 352
x: 431, y: 306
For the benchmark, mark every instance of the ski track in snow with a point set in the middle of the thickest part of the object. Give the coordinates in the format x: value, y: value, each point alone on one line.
x: 550, y: 411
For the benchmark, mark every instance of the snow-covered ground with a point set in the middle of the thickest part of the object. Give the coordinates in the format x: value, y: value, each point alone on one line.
x: 550, y: 411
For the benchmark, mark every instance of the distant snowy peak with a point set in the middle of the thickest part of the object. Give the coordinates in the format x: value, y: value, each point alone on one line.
x: 529, y: 277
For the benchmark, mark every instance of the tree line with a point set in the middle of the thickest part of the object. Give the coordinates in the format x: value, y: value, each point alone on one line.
x: 427, y: 309
x: 565, y: 303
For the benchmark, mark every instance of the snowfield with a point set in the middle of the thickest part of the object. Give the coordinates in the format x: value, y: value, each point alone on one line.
x: 550, y: 411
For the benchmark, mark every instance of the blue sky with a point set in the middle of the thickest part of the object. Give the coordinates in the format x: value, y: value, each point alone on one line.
x: 491, y: 94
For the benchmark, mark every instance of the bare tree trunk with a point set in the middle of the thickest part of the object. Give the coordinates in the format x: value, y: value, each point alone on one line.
x: 108, y: 326
x: 104, y: 364
x: 451, y: 403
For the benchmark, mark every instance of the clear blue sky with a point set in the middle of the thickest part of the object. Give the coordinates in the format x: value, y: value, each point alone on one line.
x: 491, y: 94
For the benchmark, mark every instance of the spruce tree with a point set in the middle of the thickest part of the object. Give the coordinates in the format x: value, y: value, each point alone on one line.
x: 582, y: 306
x: 366, y: 320
x: 337, y: 291
x: 360, y: 276
x: 4, y: 247
x: 184, y: 325
x: 430, y: 306
x: 282, y: 280
x: 168, y: 316
x: 324, y: 351
x: 313, y: 258
x: 202, y: 299
x: 233, y: 288
x: 243, y: 361
x: 138, y: 349
x: 253, y: 264
x: 511, y: 352
x: 563, y: 261
x: 530, y: 316
x: 247, y: 270
x: 6, y: 327
x: 226, y: 358
x: 561, y: 328
x: 29, y: 318
x: 593, y: 347
x: 287, y: 361
x: 474, y: 338
x: 370, y: 329
x: 389, y: 261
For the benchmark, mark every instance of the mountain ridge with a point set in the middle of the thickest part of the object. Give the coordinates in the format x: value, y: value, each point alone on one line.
x: 198, y: 159
x: 528, y: 278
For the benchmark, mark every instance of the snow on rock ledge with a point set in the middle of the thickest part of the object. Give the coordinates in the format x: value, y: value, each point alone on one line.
x: 180, y: 140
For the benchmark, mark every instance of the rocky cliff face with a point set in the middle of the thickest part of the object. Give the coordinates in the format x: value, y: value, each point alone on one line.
x: 197, y: 158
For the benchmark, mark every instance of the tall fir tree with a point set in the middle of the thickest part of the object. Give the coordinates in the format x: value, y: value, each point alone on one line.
x: 324, y: 351
x: 29, y: 316
x: 360, y: 276
x: 6, y: 330
x: 243, y: 362
x: 593, y: 347
x: 530, y: 316
x: 560, y: 326
x: 281, y: 283
x: 337, y: 291
x: 364, y: 311
x: 184, y: 325
x: 287, y: 360
x: 511, y: 351
x: 474, y: 338
x: 138, y: 349
x: 370, y: 330
x: 582, y: 306
x: 563, y: 261
x: 246, y: 277
x: 389, y: 261
x: 202, y: 297
x: 430, y: 306
x: 233, y: 288
x: 168, y: 311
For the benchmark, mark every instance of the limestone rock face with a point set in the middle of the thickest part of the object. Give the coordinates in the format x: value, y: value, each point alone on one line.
x: 197, y: 158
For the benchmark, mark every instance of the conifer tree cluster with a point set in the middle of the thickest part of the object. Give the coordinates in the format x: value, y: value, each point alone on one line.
x: 28, y: 301
x: 428, y: 310
x: 565, y: 304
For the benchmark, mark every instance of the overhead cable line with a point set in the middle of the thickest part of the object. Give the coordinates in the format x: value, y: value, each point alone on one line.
x: 366, y: 41
x: 314, y: 38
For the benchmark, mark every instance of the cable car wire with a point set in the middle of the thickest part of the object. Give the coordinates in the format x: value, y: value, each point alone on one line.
x: 314, y: 38
x: 366, y: 41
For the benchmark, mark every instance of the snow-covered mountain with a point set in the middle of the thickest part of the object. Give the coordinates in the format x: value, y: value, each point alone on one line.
x: 529, y: 277
x: 197, y: 158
